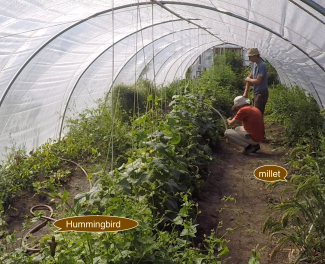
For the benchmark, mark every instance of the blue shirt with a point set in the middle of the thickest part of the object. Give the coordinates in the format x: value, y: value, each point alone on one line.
x: 259, y: 69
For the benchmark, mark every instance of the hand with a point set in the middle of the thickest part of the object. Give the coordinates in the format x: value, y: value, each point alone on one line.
x: 248, y: 79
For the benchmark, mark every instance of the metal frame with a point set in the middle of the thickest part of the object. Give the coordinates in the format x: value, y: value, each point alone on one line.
x: 162, y: 3
x: 182, y: 56
x: 157, y: 72
x: 315, y: 6
x: 308, y: 2
x: 147, y: 46
x: 93, y: 61
x: 54, y: 37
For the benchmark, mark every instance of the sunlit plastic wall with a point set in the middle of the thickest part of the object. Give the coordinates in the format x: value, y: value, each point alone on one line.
x: 59, y: 57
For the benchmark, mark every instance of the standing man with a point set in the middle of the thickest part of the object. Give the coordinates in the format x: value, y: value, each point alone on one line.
x: 257, y: 78
x: 251, y: 133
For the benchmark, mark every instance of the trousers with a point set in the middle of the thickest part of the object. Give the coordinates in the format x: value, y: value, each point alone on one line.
x: 259, y: 100
x: 237, y: 136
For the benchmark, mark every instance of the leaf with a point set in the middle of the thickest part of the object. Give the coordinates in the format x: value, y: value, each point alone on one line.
x: 38, y: 258
x: 171, y: 203
x: 161, y: 176
x: 171, y: 122
x: 253, y: 260
x: 149, y: 97
x: 118, y: 212
x: 172, y: 186
x: 134, y: 166
x: 90, y: 175
x: 104, y: 202
x: 231, y: 229
x: 159, y: 165
x: 125, y: 185
x: 189, y: 231
x: 165, y: 139
x: 51, y: 187
x: 156, y: 134
x: 176, y: 173
x: 144, y: 177
x: 141, y: 136
x: 79, y: 198
x: 181, y: 242
x: 224, y: 251
x: 99, y: 260
x: 93, y: 151
x: 199, y: 260
x: 141, y: 119
x: 65, y: 196
x: 175, y: 139
x: 178, y: 220
x: 160, y: 147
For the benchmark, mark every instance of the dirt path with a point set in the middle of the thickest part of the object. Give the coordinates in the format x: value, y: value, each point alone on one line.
x: 232, y: 175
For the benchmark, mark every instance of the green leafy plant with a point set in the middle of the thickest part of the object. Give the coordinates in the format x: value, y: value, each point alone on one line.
x: 297, y: 112
x: 152, y: 156
x: 254, y: 259
x: 301, y: 224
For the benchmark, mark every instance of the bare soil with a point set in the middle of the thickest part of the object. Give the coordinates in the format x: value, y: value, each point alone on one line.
x: 18, y: 215
x: 232, y: 176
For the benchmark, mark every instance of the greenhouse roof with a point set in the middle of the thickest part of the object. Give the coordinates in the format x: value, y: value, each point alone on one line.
x: 62, y: 55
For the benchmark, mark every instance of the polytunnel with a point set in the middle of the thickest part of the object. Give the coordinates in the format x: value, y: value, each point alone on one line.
x: 58, y: 55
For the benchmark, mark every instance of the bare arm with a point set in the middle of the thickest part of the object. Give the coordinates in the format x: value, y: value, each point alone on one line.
x: 231, y: 121
x: 247, y: 86
x: 258, y: 80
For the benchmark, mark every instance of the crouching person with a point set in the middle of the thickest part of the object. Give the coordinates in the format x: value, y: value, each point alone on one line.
x: 251, y: 133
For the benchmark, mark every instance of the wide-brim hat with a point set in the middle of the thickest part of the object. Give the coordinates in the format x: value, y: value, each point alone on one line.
x: 252, y: 52
x: 240, y: 100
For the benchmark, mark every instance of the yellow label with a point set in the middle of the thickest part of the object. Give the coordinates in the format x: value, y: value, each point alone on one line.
x: 95, y: 223
x: 271, y: 173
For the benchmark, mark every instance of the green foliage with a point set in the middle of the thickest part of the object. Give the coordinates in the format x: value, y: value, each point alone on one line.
x: 93, y: 133
x: 254, y: 259
x: 220, y: 76
x: 188, y: 73
x: 219, y: 86
x: 301, y: 224
x: 21, y: 170
x: 158, y: 160
x: 131, y: 98
x: 235, y: 60
x: 272, y: 75
x: 175, y: 88
x: 296, y: 111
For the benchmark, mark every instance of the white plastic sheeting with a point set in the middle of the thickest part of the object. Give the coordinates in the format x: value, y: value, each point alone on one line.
x: 58, y: 57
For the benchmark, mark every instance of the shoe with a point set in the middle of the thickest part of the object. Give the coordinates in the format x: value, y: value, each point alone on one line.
x: 256, y: 148
x: 248, y: 150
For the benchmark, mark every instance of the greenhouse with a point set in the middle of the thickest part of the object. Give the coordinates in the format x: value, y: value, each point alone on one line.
x: 130, y: 100
x: 56, y: 54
